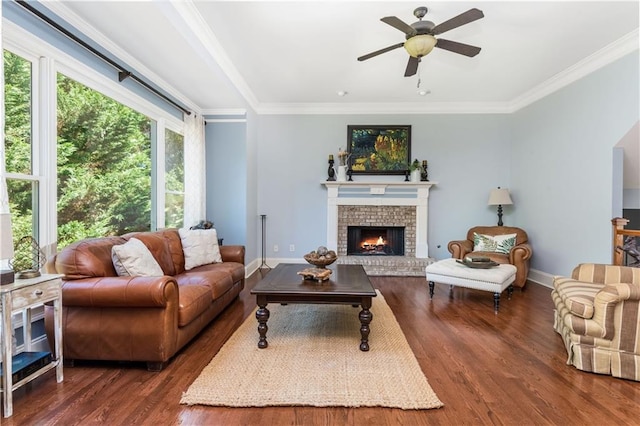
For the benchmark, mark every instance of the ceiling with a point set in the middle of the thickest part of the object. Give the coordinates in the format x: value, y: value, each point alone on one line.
x: 225, y: 56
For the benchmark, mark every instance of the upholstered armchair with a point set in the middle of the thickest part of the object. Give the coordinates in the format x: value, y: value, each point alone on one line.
x: 597, y: 313
x: 502, y: 248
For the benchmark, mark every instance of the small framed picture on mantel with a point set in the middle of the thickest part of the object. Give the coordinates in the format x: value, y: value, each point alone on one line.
x: 379, y: 150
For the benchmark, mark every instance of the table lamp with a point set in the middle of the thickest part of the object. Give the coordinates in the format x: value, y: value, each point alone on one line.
x: 500, y: 197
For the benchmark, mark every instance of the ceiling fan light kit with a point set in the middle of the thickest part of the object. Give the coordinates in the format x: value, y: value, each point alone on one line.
x: 420, y: 45
x: 421, y: 37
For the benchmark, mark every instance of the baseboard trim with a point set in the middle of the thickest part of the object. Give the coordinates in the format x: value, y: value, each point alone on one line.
x: 541, y: 278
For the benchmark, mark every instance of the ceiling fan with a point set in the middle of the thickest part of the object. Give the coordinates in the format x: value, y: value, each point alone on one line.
x: 420, y: 37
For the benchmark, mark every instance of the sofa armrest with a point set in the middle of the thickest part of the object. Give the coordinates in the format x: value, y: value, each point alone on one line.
x: 459, y: 249
x: 606, y: 273
x: 232, y: 254
x: 613, y: 297
x: 120, y: 292
x: 520, y: 253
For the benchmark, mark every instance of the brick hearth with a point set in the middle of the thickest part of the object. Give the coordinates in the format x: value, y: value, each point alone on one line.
x: 380, y: 204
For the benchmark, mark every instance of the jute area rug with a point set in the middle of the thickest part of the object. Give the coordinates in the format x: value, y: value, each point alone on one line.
x: 313, y: 359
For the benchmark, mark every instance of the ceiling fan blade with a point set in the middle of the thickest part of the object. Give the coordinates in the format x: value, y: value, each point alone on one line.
x: 412, y: 66
x: 397, y: 23
x: 457, y: 21
x: 455, y: 47
x: 379, y: 52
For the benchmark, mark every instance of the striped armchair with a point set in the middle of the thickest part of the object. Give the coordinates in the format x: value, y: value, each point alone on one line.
x: 597, y: 313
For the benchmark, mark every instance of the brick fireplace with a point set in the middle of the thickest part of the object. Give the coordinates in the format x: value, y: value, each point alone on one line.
x: 377, y: 217
x: 380, y: 205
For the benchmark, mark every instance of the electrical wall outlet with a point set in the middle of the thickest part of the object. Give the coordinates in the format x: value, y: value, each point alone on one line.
x: 292, y: 247
x: 275, y: 248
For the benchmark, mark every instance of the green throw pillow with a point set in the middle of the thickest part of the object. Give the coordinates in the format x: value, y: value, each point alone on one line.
x: 495, y: 243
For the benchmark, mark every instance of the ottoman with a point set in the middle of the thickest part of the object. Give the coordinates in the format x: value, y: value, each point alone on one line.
x: 495, y: 279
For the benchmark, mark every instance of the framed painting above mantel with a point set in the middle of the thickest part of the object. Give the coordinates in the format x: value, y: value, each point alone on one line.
x: 379, y: 150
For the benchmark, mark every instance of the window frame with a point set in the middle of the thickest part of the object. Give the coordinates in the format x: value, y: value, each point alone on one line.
x: 47, y: 61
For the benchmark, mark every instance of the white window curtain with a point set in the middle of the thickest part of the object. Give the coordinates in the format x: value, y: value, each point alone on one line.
x: 194, y: 170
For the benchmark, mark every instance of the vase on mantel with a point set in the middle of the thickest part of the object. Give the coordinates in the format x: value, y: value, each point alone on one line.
x: 342, y: 174
x: 415, y: 175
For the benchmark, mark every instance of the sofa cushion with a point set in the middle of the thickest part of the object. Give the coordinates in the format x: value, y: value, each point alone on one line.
x: 165, y: 246
x: 134, y: 259
x: 218, y: 281
x: 496, y: 243
x: 577, y: 296
x: 234, y: 269
x: 193, y: 301
x: 200, y: 247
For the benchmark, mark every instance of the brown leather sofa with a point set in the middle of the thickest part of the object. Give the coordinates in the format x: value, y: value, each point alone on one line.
x: 149, y: 319
x: 518, y: 256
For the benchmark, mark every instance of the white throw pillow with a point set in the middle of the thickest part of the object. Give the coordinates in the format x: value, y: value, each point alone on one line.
x: 200, y: 247
x: 134, y: 259
x: 495, y: 243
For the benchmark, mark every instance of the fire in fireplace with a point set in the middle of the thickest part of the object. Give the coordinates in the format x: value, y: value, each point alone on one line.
x: 375, y: 240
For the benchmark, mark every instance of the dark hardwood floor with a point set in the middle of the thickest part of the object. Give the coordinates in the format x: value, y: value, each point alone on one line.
x: 487, y: 369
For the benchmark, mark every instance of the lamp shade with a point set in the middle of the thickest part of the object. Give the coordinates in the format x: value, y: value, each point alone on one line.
x: 6, y: 237
x: 420, y: 45
x: 500, y: 197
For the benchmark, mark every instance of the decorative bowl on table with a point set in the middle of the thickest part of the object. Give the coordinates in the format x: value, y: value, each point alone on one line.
x: 478, y: 262
x: 321, y: 258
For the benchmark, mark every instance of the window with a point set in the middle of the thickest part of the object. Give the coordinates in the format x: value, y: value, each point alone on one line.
x: 174, y: 179
x: 104, y: 165
x: 22, y: 182
x: 82, y: 152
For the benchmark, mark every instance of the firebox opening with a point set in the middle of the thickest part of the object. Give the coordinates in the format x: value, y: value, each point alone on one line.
x: 375, y: 240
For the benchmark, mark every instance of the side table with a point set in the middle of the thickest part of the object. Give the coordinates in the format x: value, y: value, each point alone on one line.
x: 21, y: 297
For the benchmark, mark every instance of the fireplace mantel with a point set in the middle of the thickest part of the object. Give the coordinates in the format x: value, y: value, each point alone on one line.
x: 379, y: 194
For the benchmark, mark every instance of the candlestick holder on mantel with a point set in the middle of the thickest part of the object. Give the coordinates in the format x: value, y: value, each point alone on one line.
x: 424, y: 174
x: 331, y: 171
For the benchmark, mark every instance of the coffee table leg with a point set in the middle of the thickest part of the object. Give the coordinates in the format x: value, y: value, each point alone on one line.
x: 431, y: 286
x: 496, y: 301
x: 262, y: 315
x: 365, y: 319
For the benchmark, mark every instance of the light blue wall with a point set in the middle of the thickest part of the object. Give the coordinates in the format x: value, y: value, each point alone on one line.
x: 562, y: 162
x: 556, y: 157
x: 468, y: 156
x: 252, y: 245
x: 226, y: 174
x: 617, y: 181
x: 232, y: 164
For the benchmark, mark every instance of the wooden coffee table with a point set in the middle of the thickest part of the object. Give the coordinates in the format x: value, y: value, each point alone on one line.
x: 347, y: 285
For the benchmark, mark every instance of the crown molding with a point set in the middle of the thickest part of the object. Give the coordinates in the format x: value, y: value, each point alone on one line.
x: 28, y: 45
x: 103, y: 41
x: 608, y: 54
x: 383, y: 108
x: 224, y: 112
x: 597, y: 60
x: 197, y: 27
